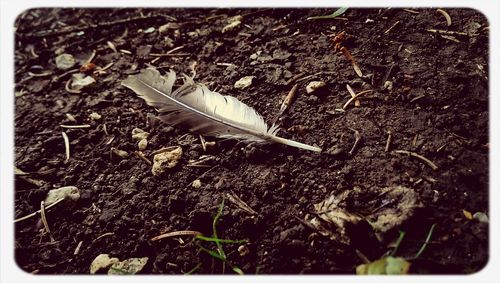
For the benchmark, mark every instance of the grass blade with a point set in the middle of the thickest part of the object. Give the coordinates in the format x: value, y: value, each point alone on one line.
x: 333, y: 15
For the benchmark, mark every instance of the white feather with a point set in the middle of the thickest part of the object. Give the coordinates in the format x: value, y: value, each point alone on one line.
x: 203, y: 111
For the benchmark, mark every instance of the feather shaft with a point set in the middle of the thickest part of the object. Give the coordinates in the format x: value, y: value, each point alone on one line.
x: 203, y: 111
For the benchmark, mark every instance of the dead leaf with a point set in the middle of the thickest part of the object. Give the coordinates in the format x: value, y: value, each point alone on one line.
x: 331, y: 219
x: 394, y: 206
x: 128, y: 267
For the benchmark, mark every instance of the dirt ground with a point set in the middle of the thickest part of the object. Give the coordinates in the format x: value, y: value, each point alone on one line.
x: 429, y: 89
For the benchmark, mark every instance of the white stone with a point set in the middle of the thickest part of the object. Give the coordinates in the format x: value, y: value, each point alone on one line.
x: 65, y: 61
x: 166, y: 160
x: 244, y: 82
x: 314, y: 85
x: 95, y: 116
x: 142, y: 144
x: 68, y: 192
x: 139, y: 134
x: 196, y: 184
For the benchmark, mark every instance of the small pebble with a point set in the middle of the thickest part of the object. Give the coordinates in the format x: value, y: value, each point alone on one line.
x: 142, y: 144
x: 120, y: 153
x: 244, y: 82
x: 95, y: 116
x: 166, y: 160
x: 139, y: 134
x: 196, y: 184
x: 243, y: 250
x: 314, y: 85
x: 65, y: 61
x: 68, y: 192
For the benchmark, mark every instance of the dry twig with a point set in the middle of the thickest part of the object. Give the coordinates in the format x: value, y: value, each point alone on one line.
x: 445, y: 15
x: 358, y: 138
x: 44, y: 220
x: 389, y: 140
x: 351, y: 92
x: 38, y: 211
x: 355, y: 97
x: 239, y: 203
x: 175, y: 234
x: 66, y: 145
x: 141, y: 156
x: 425, y: 160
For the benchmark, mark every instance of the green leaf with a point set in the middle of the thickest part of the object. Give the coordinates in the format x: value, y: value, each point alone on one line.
x: 386, y: 265
x: 238, y: 270
x: 217, y: 240
x: 333, y: 15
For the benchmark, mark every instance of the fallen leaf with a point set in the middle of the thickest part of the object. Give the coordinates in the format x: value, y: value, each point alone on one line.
x: 467, y: 214
x: 331, y: 219
x: 394, y: 206
x: 102, y: 261
x: 128, y: 267
x: 386, y: 265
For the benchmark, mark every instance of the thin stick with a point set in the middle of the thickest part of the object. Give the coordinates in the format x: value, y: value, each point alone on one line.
x: 141, y: 156
x: 240, y: 203
x: 411, y: 11
x: 203, y: 144
x: 175, y: 234
x: 90, y: 26
x: 91, y: 57
x: 287, y: 102
x: 66, y: 145
x: 352, y: 93
x: 427, y: 161
x: 357, y: 137
x: 446, y: 16
x: 203, y: 175
x: 68, y: 89
x: 103, y: 235
x: 170, y: 55
x: 38, y: 211
x: 354, y: 98
x: 389, y: 140
x: 77, y: 250
x: 44, y: 220
x: 75, y: 126
x: 308, y: 77
x: 447, y: 32
x: 393, y: 26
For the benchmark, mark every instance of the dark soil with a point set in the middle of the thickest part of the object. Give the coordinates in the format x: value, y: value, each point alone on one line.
x: 437, y: 107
